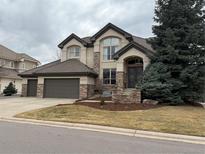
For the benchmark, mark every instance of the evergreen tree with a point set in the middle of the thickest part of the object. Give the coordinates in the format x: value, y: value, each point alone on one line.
x: 180, y: 48
x: 10, y: 90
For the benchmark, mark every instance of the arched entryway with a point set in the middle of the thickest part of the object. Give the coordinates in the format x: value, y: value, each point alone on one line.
x: 134, y: 71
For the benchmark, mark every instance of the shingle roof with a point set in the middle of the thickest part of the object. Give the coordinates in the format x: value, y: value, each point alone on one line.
x: 6, y: 53
x: 135, y: 45
x: 69, y: 67
x: 9, y: 73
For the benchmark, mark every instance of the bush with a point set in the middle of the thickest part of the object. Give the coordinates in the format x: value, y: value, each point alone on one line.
x: 10, y: 90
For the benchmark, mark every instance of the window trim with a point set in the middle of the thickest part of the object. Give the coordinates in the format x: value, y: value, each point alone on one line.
x: 110, y: 76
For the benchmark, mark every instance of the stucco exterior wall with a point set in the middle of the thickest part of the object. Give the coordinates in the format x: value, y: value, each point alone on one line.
x: 83, y: 79
x: 98, y: 47
x: 130, y: 53
x: 83, y: 51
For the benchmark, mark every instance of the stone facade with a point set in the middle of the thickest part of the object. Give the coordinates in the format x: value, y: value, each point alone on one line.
x: 126, y: 96
x: 97, y: 69
x: 24, y: 90
x: 120, y: 76
x: 40, y: 90
x: 97, y: 62
x: 86, y: 90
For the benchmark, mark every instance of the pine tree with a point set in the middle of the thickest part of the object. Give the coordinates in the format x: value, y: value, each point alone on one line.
x: 10, y: 90
x: 180, y: 48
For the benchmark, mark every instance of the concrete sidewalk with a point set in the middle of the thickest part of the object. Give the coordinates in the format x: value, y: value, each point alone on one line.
x: 114, y: 130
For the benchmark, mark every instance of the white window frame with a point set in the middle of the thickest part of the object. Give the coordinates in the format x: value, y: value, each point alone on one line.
x: 110, y: 76
x: 72, y: 52
x: 109, y: 47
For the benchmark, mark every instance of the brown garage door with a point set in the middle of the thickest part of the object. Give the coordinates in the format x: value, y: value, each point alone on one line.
x: 61, y: 88
x: 32, y: 87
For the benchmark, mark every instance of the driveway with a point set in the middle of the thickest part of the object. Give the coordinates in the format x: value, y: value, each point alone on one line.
x: 10, y: 106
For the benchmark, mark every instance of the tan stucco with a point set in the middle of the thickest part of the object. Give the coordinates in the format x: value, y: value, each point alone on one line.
x: 71, y: 43
x: 87, y: 54
x: 83, y: 79
x: 130, y: 53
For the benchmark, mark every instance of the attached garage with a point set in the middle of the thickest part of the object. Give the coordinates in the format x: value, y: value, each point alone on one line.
x: 32, y: 87
x: 62, y: 88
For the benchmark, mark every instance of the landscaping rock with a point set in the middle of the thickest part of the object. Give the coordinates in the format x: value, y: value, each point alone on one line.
x: 150, y: 101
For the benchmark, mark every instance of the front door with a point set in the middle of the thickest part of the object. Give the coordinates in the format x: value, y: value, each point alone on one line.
x: 134, y: 75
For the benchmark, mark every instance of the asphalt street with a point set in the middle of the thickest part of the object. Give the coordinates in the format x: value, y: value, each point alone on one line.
x: 29, y: 138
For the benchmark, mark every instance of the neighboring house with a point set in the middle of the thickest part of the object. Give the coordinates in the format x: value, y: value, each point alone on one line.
x: 112, y: 58
x: 12, y: 63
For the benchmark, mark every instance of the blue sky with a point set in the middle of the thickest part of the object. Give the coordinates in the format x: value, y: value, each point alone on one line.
x: 36, y: 27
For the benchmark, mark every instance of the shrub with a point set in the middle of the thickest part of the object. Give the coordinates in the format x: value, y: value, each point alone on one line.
x: 10, y: 90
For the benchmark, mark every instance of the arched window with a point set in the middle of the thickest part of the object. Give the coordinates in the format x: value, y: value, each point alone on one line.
x: 110, y: 46
x: 73, y: 52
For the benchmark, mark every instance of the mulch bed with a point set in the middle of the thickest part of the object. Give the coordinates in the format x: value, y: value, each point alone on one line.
x: 118, y: 106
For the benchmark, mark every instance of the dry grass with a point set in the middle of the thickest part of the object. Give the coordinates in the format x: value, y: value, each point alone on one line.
x: 171, y: 119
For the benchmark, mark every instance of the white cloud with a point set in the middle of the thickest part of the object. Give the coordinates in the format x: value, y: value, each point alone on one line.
x: 37, y: 26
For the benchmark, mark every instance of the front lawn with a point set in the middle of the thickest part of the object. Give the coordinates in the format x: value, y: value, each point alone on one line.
x: 171, y: 119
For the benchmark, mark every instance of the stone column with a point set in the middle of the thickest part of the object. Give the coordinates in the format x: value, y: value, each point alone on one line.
x: 120, y: 80
x: 97, y: 69
x: 24, y: 90
x: 40, y: 90
x: 83, y: 91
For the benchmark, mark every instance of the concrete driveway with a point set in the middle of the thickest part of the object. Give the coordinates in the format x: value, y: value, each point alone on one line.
x: 10, y: 106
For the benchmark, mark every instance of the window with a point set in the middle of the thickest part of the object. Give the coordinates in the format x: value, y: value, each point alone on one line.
x: 109, y: 76
x: 110, y: 47
x: 23, y: 66
x: 12, y: 64
x: 3, y: 62
x: 73, y: 52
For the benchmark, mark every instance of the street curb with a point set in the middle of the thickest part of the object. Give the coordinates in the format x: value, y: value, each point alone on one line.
x: 113, y: 130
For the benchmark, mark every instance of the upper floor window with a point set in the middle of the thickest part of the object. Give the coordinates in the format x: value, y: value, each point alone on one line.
x: 2, y: 62
x: 23, y: 65
x: 73, y: 52
x: 12, y: 64
x: 110, y: 46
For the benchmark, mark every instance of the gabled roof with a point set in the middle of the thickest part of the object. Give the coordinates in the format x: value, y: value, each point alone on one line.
x: 71, y: 67
x: 70, y: 37
x: 135, y: 45
x: 115, y: 28
x: 6, y: 53
x: 88, y: 41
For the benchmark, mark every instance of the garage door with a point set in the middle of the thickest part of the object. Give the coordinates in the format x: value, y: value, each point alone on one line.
x: 61, y: 88
x: 32, y: 87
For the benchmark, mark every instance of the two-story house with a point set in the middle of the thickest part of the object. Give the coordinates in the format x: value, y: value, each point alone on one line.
x: 12, y: 63
x: 112, y: 58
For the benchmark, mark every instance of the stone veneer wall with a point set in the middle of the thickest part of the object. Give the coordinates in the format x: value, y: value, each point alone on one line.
x: 124, y: 96
x: 97, y: 69
x: 120, y: 82
x: 40, y: 90
x: 86, y: 90
x: 24, y: 90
